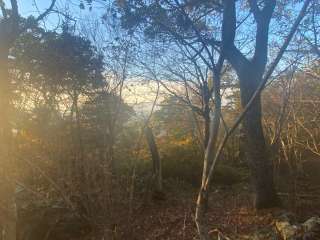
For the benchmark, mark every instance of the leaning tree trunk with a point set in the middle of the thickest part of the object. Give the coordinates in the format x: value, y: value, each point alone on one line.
x: 157, y: 169
x: 255, y: 144
x: 200, y: 214
x: 209, y: 162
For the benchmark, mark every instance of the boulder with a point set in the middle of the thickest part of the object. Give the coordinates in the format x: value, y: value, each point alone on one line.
x: 309, y: 230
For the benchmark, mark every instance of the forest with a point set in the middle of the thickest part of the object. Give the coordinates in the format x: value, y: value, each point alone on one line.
x: 159, y: 119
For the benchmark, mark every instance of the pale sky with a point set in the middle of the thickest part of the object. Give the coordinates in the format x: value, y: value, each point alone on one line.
x: 34, y: 7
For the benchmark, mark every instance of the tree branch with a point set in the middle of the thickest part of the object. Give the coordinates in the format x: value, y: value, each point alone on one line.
x: 229, y: 50
x: 15, y: 11
x: 46, y: 12
x: 254, y: 9
x: 3, y: 9
x: 263, y: 21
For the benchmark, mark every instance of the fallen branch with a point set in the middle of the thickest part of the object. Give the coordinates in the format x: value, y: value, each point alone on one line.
x: 220, y: 235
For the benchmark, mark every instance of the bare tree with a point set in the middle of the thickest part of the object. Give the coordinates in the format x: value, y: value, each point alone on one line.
x: 250, y: 98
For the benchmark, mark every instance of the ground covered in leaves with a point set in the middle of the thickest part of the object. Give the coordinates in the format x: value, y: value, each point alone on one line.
x: 231, y: 213
x: 154, y: 217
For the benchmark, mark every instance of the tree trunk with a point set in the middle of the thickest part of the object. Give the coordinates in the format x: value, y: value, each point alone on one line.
x: 200, y: 215
x: 78, y: 163
x: 9, y: 32
x: 241, y: 147
x: 80, y: 149
x: 209, y: 160
x: 157, y: 170
x: 7, y: 188
x: 206, y: 115
x: 206, y: 128
x: 256, y: 151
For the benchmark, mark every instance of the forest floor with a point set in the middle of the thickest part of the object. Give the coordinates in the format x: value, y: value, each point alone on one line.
x: 231, y: 212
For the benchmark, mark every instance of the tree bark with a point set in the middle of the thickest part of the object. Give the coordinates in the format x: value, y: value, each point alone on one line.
x: 80, y: 165
x: 206, y: 128
x: 8, y: 35
x: 209, y: 161
x: 200, y: 215
x: 157, y: 169
x: 206, y: 114
x: 255, y: 144
x: 250, y: 73
x: 9, y: 32
x: 7, y: 188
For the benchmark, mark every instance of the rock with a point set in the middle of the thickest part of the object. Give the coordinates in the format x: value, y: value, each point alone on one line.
x: 286, y: 230
x: 309, y: 230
